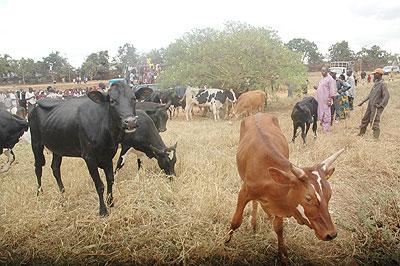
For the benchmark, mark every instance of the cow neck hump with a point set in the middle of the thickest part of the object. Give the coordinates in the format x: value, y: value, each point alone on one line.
x: 269, y: 146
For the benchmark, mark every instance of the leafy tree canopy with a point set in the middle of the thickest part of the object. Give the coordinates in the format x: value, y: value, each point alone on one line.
x: 239, y: 56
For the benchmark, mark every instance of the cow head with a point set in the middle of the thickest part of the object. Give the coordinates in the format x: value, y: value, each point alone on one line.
x: 121, y: 101
x: 160, y: 117
x: 166, y: 158
x: 230, y: 95
x: 309, y: 194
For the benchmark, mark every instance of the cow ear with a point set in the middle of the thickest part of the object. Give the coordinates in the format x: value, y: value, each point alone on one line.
x: 281, y: 177
x: 98, y: 96
x: 155, y: 150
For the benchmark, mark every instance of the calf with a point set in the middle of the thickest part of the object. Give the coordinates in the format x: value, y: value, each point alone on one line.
x: 212, y: 98
x: 304, y: 113
x: 157, y: 113
x: 147, y: 141
x: 87, y: 127
x: 282, y: 189
x: 12, y: 128
x: 249, y: 102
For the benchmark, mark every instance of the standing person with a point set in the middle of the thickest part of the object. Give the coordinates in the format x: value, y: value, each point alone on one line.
x: 30, y: 98
x: 325, y: 92
x: 363, y: 76
x: 352, y: 90
x: 341, y: 88
x: 378, y: 99
x: 369, y: 78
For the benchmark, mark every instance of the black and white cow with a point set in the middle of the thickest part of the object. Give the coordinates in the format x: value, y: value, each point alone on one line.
x: 87, y: 127
x: 157, y: 112
x: 147, y: 141
x: 304, y: 113
x: 12, y: 127
x: 212, y: 98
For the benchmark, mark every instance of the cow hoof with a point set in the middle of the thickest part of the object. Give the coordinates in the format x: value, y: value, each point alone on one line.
x: 103, y: 213
x: 39, y: 190
x: 110, y: 201
x: 228, y: 239
x: 62, y: 190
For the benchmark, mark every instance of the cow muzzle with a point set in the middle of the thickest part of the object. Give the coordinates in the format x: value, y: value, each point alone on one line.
x: 129, y: 124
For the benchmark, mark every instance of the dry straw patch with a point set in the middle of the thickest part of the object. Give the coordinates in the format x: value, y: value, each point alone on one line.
x: 157, y: 221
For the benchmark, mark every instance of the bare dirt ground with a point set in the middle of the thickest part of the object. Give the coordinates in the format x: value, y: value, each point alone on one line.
x: 184, y: 221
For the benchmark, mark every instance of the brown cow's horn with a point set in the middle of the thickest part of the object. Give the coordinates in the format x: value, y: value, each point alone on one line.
x: 297, y: 171
x: 329, y: 161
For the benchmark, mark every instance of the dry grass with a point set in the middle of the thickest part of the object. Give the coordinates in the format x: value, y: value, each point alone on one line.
x: 156, y: 221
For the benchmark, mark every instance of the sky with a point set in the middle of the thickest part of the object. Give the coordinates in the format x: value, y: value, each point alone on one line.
x: 34, y: 28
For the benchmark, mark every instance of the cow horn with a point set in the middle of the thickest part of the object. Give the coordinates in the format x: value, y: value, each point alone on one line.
x: 329, y: 161
x: 297, y: 171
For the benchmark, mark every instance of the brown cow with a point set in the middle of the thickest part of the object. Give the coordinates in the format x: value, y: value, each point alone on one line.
x: 282, y: 189
x: 249, y: 102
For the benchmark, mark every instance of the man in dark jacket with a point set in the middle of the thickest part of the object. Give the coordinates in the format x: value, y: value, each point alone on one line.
x: 378, y: 99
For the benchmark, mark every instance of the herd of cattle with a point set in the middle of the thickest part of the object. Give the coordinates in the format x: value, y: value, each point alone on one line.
x: 93, y: 127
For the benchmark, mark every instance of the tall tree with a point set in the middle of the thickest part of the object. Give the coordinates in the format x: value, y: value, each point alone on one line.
x: 25, y: 68
x: 5, y: 64
x: 57, y: 66
x: 126, y: 58
x: 341, y: 52
x: 373, y: 57
x: 308, y: 50
x: 96, y: 65
x: 239, y: 56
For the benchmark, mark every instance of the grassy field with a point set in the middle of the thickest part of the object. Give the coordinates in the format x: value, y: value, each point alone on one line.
x: 157, y: 221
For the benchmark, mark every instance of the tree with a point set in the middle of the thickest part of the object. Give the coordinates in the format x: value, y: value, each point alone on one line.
x: 157, y: 56
x: 24, y: 68
x: 57, y: 66
x: 239, y: 56
x: 96, y: 65
x: 126, y: 58
x: 308, y: 50
x: 373, y: 57
x: 341, y: 52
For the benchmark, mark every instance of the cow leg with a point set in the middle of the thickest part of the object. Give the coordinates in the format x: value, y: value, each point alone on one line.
x: 314, y: 127
x: 294, y: 132
x: 121, y: 159
x: 307, y: 128
x: 94, y: 173
x: 278, y: 228
x: 39, y: 163
x: 188, y: 112
x: 254, y: 216
x: 55, y: 166
x: 237, y: 218
x: 108, y: 171
x: 10, y: 159
x: 214, y: 110
x: 303, y: 133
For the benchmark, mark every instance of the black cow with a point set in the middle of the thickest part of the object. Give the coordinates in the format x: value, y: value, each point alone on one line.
x: 87, y: 127
x: 146, y: 140
x: 12, y: 128
x: 171, y: 97
x: 304, y: 113
x: 157, y: 112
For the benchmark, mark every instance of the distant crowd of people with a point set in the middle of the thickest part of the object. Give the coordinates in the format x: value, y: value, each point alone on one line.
x: 147, y: 75
x: 11, y: 100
